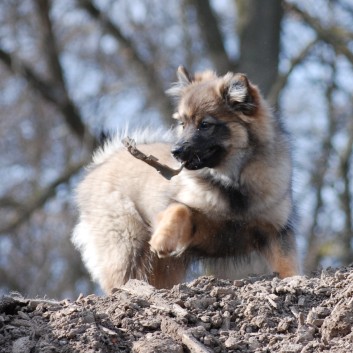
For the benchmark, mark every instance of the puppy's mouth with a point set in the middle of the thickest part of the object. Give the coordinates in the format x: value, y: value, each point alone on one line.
x: 208, y: 158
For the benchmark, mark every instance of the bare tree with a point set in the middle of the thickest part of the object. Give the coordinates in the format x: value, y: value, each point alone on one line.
x: 70, y: 68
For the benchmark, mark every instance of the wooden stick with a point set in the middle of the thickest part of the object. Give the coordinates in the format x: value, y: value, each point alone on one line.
x: 163, y: 169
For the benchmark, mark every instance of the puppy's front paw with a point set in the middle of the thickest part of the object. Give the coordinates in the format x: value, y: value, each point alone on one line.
x: 164, y: 244
x: 174, y: 230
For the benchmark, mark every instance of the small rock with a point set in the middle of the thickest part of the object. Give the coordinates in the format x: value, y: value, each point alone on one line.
x: 284, y: 324
x: 152, y: 324
x: 88, y: 317
x: 238, y: 283
x: 233, y: 343
x: 323, y: 291
x: 254, y: 343
x: 221, y: 291
x: 292, y: 348
x: 67, y: 311
x: 208, y: 340
x: 205, y: 318
x: 23, y: 345
x: 259, y: 320
x: 216, y: 320
x: 305, y: 333
x: 157, y: 345
x: 301, y: 300
x: 316, y: 315
x: 226, y: 320
x: 340, y: 322
x: 317, y: 322
x: 340, y: 275
x: 199, y: 303
x: 198, y: 331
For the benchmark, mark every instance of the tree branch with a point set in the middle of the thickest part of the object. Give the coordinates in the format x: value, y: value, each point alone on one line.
x: 318, y: 179
x: 45, y: 89
x: 151, y: 160
x: 346, y: 198
x: 145, y: 70
x: 50, y: 92
x: 212, y: 35
x: 52, y: 55
x: 41, y: 198
x: 9, y: 202
x: 334, y: 35
x: 283, y: 78
x: 51, y: 51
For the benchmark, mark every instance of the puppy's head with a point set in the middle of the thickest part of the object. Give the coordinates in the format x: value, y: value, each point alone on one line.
x: 213, y: 114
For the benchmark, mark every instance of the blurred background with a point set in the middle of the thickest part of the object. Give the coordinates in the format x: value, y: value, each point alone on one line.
x: 71, y: 68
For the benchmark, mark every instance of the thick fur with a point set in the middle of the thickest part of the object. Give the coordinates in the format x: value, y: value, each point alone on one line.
x: 234, y: 195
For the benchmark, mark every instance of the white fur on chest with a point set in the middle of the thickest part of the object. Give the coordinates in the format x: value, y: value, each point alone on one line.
x: 202, y: 196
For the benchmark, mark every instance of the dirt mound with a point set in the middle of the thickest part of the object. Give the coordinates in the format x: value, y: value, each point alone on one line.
x: 257, y: 314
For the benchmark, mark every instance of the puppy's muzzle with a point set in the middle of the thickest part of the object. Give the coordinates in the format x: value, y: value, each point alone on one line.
x: 179, y: 152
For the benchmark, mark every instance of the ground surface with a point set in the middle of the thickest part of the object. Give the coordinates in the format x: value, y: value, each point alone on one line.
x: 257, y: 314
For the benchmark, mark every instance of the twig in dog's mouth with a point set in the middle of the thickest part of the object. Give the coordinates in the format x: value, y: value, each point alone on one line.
x: 163, y: 169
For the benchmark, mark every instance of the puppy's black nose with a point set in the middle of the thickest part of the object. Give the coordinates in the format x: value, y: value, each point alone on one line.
x: 177, y: 151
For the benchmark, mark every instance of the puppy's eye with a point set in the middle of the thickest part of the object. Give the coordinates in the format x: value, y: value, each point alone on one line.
x: 204, y: 125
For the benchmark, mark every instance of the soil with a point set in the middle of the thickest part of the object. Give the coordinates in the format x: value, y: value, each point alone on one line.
x: 256, y: 314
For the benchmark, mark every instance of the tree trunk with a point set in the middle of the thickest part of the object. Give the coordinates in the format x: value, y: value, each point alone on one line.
x: 259, y: 25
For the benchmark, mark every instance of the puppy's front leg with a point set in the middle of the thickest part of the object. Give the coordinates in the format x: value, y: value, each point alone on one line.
x: 173, y: 231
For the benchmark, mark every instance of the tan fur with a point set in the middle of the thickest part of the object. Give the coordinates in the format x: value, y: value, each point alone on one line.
x: 136, y: 224
x: 173, y: 232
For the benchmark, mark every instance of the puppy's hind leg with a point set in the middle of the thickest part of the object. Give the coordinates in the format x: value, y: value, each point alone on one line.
x: 281, y: 254
x: 113, y: 241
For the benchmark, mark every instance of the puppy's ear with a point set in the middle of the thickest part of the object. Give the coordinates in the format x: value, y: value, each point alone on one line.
x: 184, y: 79
x: 239, y: 94
x: 183, y: 76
